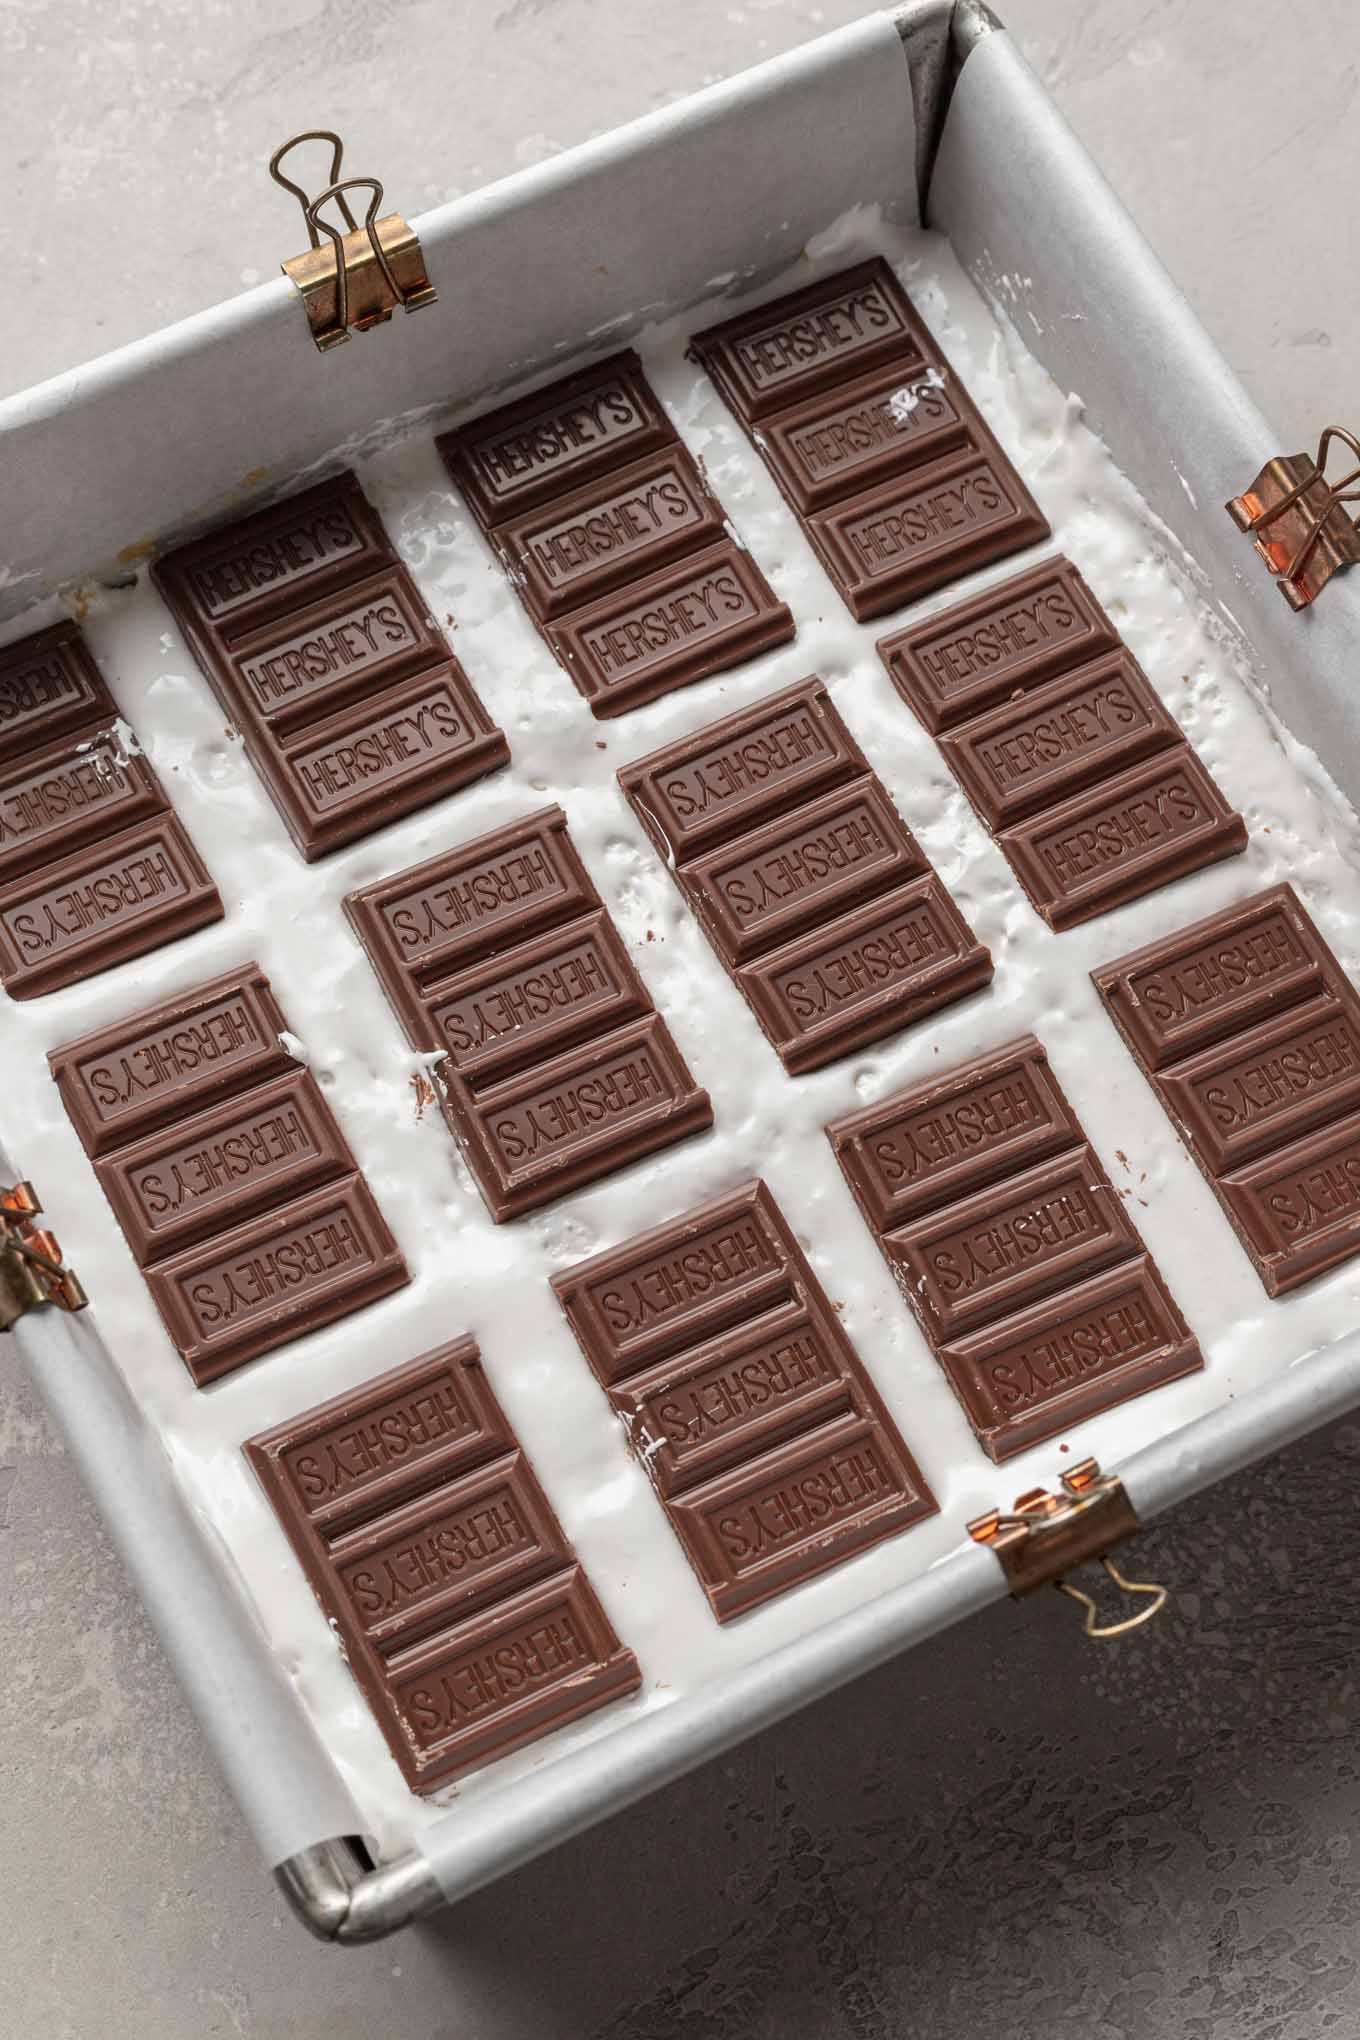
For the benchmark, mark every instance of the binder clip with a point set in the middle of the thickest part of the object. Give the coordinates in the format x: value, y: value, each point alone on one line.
x: 1297, y: 518
x: 359, y: 279
x: 31, y: 1268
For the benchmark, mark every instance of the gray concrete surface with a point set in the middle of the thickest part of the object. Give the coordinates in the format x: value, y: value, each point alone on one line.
x: 1010, y: 1835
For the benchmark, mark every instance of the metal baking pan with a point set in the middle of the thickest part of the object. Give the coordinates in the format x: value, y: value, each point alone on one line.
x: 928, y: 110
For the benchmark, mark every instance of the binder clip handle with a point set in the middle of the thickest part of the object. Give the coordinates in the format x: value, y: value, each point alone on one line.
x: 337, y: 157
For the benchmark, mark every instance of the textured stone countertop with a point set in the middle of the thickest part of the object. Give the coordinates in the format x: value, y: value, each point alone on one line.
x: 1005, y: 1836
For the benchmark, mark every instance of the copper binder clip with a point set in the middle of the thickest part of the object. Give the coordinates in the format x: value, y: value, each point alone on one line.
x: 1047, y: 1536
x: 31, y: 1270
x: 367, y: 271
x: 1298, y: 521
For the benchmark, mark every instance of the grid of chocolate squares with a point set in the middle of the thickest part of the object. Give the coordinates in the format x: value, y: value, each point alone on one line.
x: 464, y: 1612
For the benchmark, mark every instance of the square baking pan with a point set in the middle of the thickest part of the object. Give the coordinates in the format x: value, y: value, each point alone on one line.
x: 929, y: 113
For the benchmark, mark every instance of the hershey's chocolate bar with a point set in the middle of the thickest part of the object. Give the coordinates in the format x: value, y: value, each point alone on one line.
x: 1061, y: 744
x: 234, y: 1186
x: 557, y: 1068
x: 764, y: 1437
x: 1012, y: 1248
x: 461, y: 1608
x: 611, y: 533
x: 320, y: 648
x: 1248, y: 1029
x: 899, y: 482
x: 95, y: 866
x: 806, y: 880
x: 612, y: 538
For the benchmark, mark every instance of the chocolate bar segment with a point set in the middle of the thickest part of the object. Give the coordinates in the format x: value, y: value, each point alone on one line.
x: 936, y: 1144
x: 175, y: 1187
x: 868, y: 973
x: 567, y: 1121
x: 1139, y: 830
x: 1008, y: 640
x: 223, y: 1163
x: 578, y: 547
x: 556, y: 439
x: 809, y: 885
x: 138, y: 1075
x: 49, y: 686
x: 1248, y: 1030
x: 862, y: 433
x: 456, y: 909
x: 102, y: 906
x: 245, y: 1291
x: 1061, y: 744
x: 929, y: 527
x: 1012, y: 1248
x: 1059, y: 740
x: 322, y: 652
x: 1071, y: 1356
x: 277, y: 560
x: 711, y: 611
x: 95, y: 866
x: 879, y: 450
x: 814, y: 339
x: 461, y: 1609
x: 1009, y: 1244
x: 612, y: 539
x: 760, y: 762
x: 69, y: 793
x: 764, y: 1437
x: 369, y: 766
x: 534, y: 999
x: 557, y: 1069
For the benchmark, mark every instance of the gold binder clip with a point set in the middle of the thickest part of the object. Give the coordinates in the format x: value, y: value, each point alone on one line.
x: 358, y: 280
x: 1048, y: 1536
x: 31, y: 1271
x: 1298, y: 521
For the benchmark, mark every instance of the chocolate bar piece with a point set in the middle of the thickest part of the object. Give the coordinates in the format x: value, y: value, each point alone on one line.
x: 809, y: 885
x: 1011, y: 1247
x: 1061, y: 744
x: 461, y: 1609
x: 49, y: 686
x: 698, y: 618
x: 611, y: 533
x: 556, y: 439
x: 235, y: 1188
x: 898, y: 481
x: 611, y: 537
x: 557, y: 1069
x: 927, y: 528
x: 95, y: 866
x: 65, y: 794
x: 760, y: 1430
x: 320, y: 648
x: 1248, y: 1029
x: 131, y: 1079
x: 103, y: 906
x: 1011, y: 638
x: 814, y: 339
